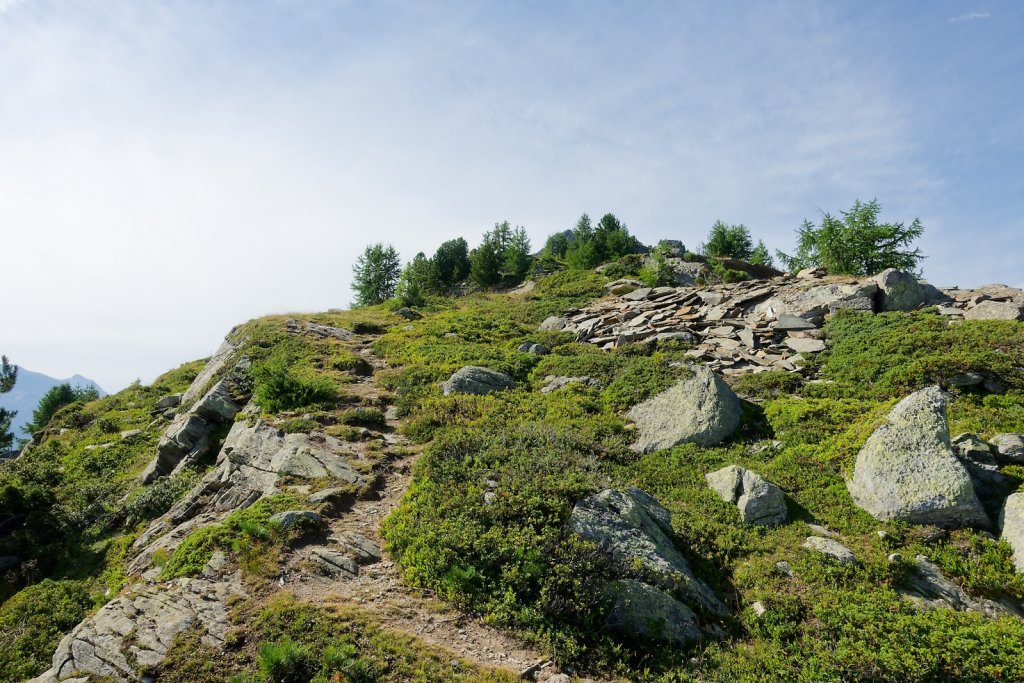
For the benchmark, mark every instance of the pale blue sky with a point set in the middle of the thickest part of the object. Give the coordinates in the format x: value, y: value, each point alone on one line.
x: 168, y: 170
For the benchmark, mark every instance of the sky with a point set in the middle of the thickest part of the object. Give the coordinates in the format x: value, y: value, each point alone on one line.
x: 169, y: 170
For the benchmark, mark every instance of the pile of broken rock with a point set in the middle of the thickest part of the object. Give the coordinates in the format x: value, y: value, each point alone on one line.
x: 760, y: 325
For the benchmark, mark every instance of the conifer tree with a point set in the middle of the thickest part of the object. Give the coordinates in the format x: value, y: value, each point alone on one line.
x: 375, y: 275
x: 8, y: 377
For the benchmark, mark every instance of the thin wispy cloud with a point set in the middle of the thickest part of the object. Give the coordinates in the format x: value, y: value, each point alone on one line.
x: 170, y: 170
x: 970, y: 16
x: 7, y: 5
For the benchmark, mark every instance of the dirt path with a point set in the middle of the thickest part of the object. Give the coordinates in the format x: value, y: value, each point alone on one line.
x: 378, y: 587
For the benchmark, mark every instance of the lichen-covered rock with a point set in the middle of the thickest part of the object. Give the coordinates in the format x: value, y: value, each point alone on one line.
x: 758, y: 500
x: 643, y: 611
x: 830, y: 548
x: 476, y: 380
x: 699, y: 409
x: 1012, y: 523
x: 636, y: 532
x: 908, y: 470
x: 1009, y: 447
x: 134, y: 631
x: 899, y: 291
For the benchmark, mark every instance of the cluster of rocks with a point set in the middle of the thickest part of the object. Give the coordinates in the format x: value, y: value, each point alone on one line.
x: 991, y: 302
x: 911, y: 470
x: 190, y: 436
x: 750, y: 326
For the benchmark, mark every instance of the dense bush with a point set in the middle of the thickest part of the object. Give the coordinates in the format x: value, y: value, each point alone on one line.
x: 33, y: 621
x: 280, y: 385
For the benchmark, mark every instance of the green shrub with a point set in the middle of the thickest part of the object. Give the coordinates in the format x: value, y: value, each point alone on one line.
x: 33, y: 621
x: 366, y: 417
x: 279, y: 386
x: 285, y: 662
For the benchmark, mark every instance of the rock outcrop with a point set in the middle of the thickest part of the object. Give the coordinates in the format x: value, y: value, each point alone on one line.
x: 249, y: 466
x: 636, y: 533
x: 909, y: 471
x: 758, y: 500
x: 191, y: 436
x: 476, y: 380
x: 135, y: 630
x: 699, y: 409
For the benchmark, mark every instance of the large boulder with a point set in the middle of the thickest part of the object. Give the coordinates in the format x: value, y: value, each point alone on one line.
x: 759, y: 501
x: 995, y: 310
x: 909, y: 471
x: 636, y: 532
x: 476, y: 380
x: 1012, y: 523
x: 899, y: 291
x: 699, y: 409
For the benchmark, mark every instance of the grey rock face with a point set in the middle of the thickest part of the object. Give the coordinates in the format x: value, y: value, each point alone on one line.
x: 554, y: 383
x: 636, y: 531
x: 644, y: 611
x: 217, y: 362
x: 899, y: 291
x: 248, y: 467
x: 908, y: 470
x: 169, y: 401
x: 135, y: 630
x: 553, y: 323
x: 759, y: 501
x: 830, y: 548
x: 995, y: 310
x: 536, y: 349
x: 1009, y: 447
x: 1012, y: 522
x: 317, y: 330
x: 699, y: 409
x: 865, y: 304
x: 362, y: 549
x: 815, y: 301
x: 190, y: 436
x: 928, y: 588
x: 476, y: 380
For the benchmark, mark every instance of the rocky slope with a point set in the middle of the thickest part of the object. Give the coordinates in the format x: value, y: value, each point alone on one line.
x: 584, y: 480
